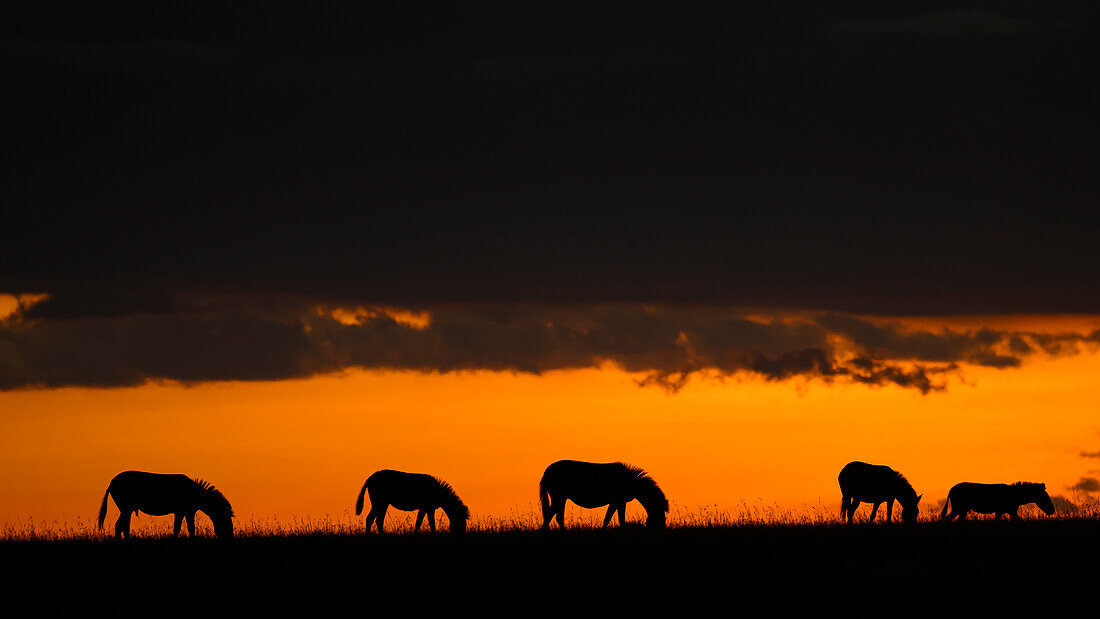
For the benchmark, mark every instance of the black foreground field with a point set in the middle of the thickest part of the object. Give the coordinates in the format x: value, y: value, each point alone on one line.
x: 925, y: 568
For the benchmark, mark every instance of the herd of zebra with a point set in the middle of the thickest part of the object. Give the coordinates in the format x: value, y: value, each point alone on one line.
x: 587, y: 484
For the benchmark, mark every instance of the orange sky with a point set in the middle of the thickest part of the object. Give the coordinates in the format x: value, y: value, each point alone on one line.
x: 304, y: 447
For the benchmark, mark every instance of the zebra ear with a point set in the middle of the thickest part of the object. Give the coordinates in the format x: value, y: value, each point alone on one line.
x: 919, y: 497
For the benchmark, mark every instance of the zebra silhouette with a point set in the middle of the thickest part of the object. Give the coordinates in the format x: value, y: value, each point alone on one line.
x: 158, y: 494
x: 411, y: 492
x: 997, y: 499
x: 591, y: 485
x: 875, y: 483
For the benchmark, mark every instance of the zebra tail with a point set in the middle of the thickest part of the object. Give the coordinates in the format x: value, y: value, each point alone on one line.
x: 544, y: 498
x: 103, y: 507
x: 359, y: 500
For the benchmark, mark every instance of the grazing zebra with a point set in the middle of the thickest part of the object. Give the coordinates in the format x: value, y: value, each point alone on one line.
x: 411, y: 492
x: 158, y: 495
x: 874, y: 484
x: 997, y: 499
x: 592, y: 485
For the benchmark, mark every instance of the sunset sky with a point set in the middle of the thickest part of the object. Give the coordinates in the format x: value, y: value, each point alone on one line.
x: 736, y: 247
x: 301, y: 446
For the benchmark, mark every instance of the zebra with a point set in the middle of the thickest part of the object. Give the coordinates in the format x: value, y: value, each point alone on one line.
x: 591, y: 485
x: 875, y: 484
x: 996, y: 499
x: 409, y: 492
x: 158, y: 494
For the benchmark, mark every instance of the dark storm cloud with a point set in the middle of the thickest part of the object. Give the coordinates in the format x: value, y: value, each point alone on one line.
x: 957, y: 23
x: 100, y: 304
x: 238, y: 338
x: 752, y: 155
x: 1090, y: 454
x: 117, y: 352
x: 986, y: 347
x: 558, y: 187
x: 1087, y: 484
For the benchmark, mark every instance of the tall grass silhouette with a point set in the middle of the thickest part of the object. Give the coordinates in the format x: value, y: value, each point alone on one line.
x: 758, y: 513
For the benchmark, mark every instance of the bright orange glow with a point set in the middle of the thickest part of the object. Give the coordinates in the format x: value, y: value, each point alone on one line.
x: 304, y: 447
x: 356, y: 315
x: 1075, y: 323
x: 10, y: 303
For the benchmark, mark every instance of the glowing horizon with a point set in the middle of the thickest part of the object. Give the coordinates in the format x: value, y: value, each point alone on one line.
x: 302, y: 447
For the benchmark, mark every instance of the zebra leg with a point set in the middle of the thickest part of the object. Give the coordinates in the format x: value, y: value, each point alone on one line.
x: 551, y: 512
x: 431, y: 520
x: 190, y: 524
x: 622, y: 514
x: 381, y: 518
x: 950, y: 509
x: 559, y: 512
x: 848, y: 506
x: 874, y: 510
x: 610, y: 512
x: 122, y: 525
x: 176, y: 526
x: 1014, y: 515
x: 547, y: 515
x: 419, y: 521
x: 889, y: 509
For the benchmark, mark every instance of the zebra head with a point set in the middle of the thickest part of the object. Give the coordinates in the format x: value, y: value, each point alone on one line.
x: 214, y: 504
x: 1042, y: 499
x: 458, y: 514
x: 909, y: 509
x: 655, y: 513
x: 652, y: 498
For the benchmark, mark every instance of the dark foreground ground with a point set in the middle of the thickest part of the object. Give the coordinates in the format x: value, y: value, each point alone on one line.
x: 982, y: 567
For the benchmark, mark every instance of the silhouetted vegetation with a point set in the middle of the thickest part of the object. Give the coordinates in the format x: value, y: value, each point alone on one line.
x: 525, y: 572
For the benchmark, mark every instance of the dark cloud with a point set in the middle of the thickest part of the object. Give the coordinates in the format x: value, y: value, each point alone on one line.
x: 117, y: 352
x: 745, y: 155
x: 211, y: 338
x: 86, y: 303
x: 1087, y: 484
x: 1090, y: 454
x: 951, y: 23
x: 984, y: 346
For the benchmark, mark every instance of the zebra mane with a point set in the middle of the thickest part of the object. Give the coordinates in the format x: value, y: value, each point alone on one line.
x: 208, y: 490
x: 1029, y: 485
x: 905, y: 483
x: 452, y: 495
x: 646, y: 482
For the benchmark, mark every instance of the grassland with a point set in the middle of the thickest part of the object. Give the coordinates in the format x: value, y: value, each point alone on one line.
x: 727, y: 569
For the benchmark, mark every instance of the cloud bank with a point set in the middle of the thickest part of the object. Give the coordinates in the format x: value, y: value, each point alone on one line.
x: 875, y: 158
x: 50, y: 344
x: 1087, y: 485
